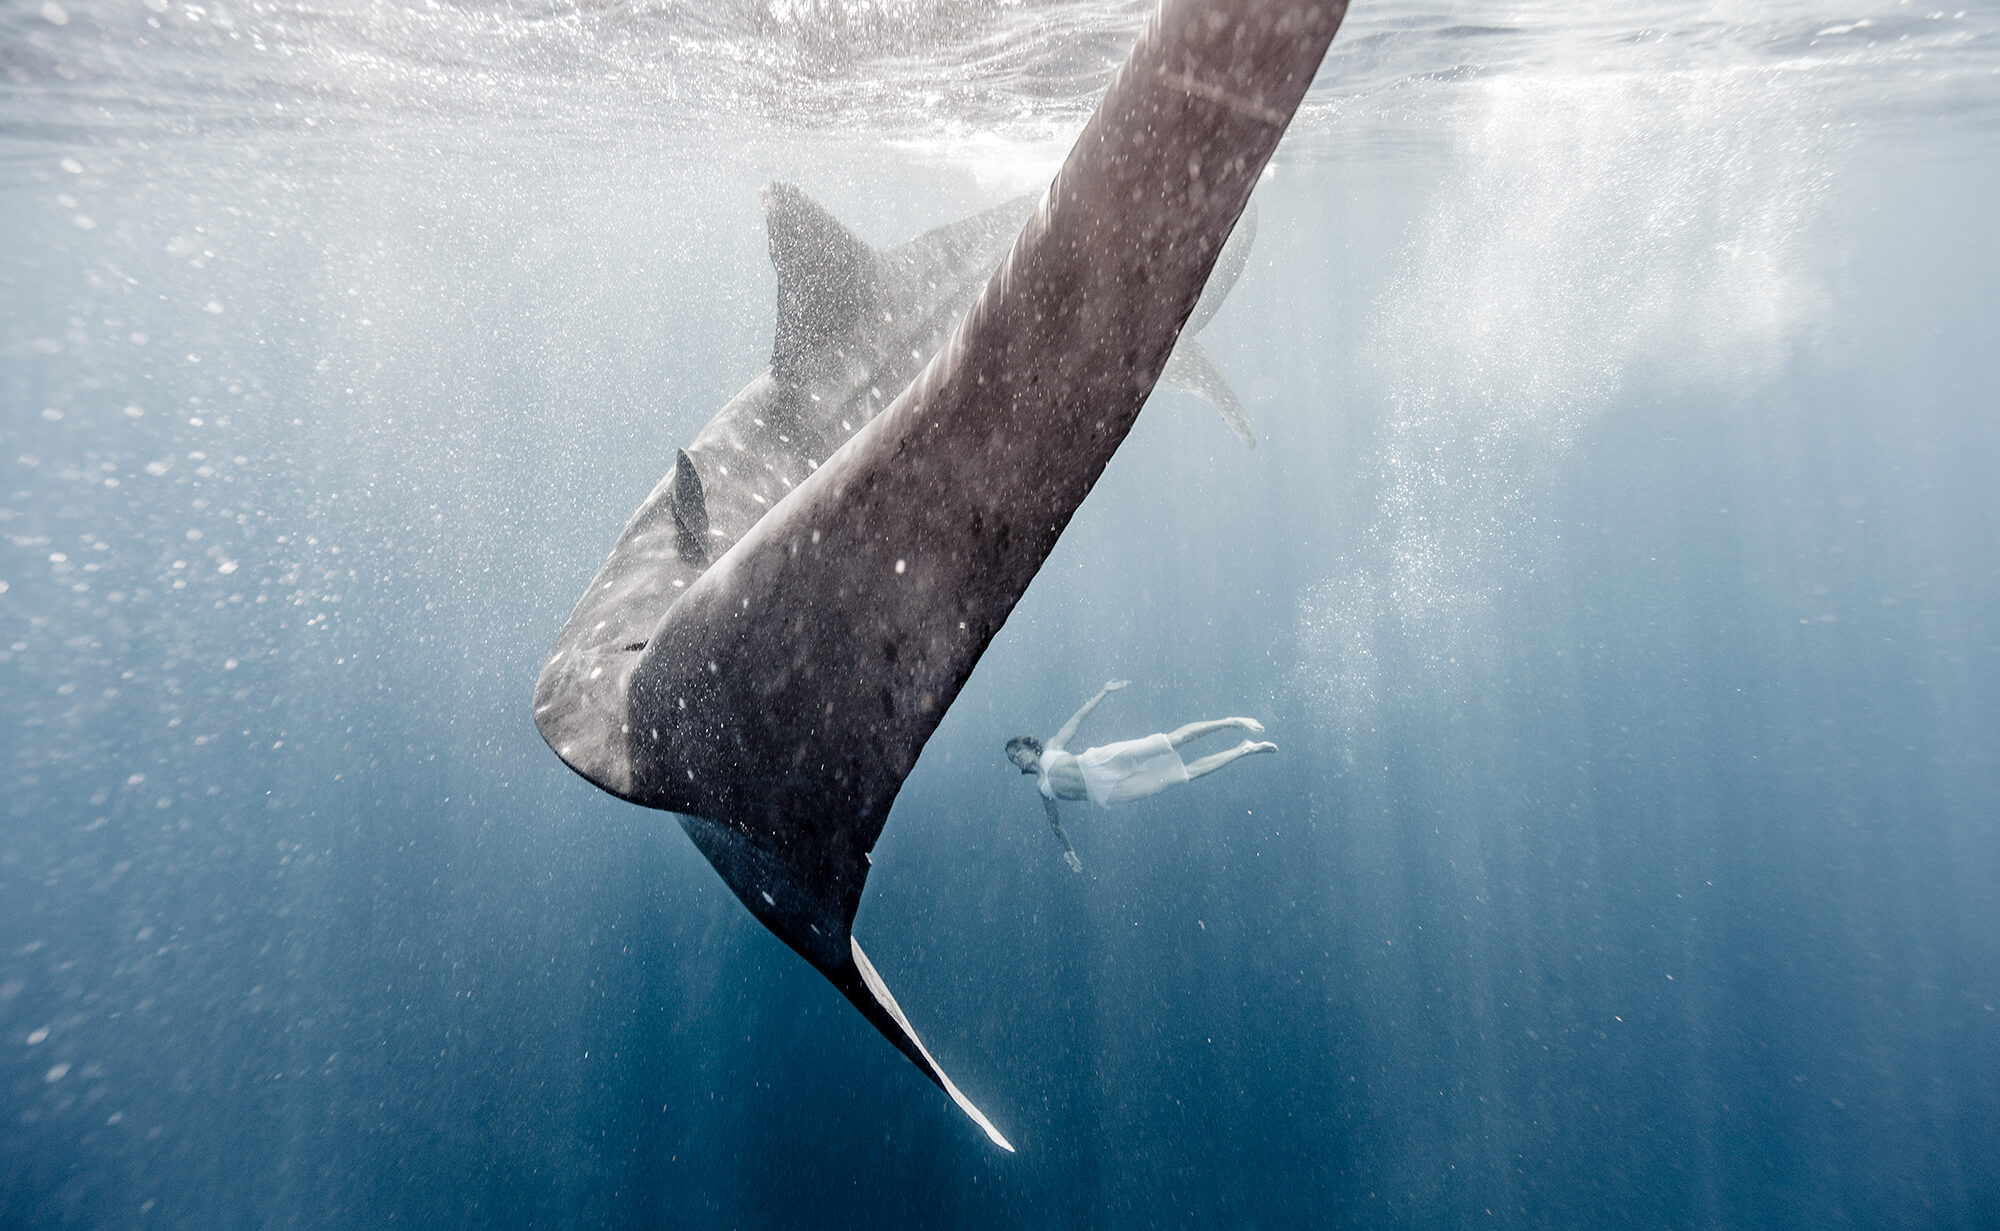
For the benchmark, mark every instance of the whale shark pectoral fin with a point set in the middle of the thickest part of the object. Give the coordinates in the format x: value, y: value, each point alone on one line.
x: 1228, y: 268
x: 825, y: 275
x: 1190, y: 368
x: 879, y: 1007
x: 690, y: 510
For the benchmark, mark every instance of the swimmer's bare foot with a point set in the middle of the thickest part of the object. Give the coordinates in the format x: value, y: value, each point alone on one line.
x: 1248, y: 724
x: 1264, y: 746
x: 1075, y: 864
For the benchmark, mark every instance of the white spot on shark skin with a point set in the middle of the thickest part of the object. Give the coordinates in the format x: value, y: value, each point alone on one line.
x: 724, y: 469
x: 595, y: 672
x: 759, y: 499
x: 678, y: 583
x: 900, y: 566
x: 768, y: 898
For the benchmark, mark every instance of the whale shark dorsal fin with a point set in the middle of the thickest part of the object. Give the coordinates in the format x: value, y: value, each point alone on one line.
x: 826, y: 274
x: 690, y: 510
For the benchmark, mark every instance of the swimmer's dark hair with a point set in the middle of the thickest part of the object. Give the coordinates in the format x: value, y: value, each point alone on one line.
x: 1024, y: 741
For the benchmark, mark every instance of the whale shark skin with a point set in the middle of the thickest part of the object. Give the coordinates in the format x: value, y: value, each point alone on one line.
x: 854, y: 326
x: 782, y: 624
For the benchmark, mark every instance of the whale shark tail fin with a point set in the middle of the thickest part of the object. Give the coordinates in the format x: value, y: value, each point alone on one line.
x: 1190, y: 368
x: 872, y: 997
x: 826, y: 275
x: 810, y: 906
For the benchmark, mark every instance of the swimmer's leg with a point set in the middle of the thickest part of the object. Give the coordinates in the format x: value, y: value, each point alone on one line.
x: 1195, y: 730
x: 1216, y: 760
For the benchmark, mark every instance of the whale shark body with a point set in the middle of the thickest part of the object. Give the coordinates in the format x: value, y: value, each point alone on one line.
x: 854, y: 327
x: 784, y: 621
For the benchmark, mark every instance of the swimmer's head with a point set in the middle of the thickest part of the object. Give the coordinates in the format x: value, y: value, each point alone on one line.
x: 1026, y: 752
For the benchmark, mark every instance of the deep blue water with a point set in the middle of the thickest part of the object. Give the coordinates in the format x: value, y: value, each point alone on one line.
x: 1617, y: 572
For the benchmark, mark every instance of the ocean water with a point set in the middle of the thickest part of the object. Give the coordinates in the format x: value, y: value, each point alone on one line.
x: 1616, y: 571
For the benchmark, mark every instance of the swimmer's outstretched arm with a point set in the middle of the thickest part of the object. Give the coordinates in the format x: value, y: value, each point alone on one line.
x: 1060, y: 740
x: 1055, y: 823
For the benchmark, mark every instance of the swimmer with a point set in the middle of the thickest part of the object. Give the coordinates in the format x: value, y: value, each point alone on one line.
x: 1122, y: 772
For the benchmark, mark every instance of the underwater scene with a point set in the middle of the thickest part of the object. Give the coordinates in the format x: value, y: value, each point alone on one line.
x: 1598, y: 548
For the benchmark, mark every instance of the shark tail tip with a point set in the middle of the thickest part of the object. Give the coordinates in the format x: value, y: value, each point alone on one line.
x: 912, y: 1046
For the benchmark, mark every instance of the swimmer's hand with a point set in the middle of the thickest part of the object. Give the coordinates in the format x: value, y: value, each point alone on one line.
x: 1075, y: 864
x: 1115, y: 685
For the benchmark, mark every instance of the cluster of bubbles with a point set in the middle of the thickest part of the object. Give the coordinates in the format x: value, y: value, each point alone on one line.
x: 1599, y: 232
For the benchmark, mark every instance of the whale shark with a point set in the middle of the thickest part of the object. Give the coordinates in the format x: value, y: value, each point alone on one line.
x: 784, y: 621
x: 854, y: 326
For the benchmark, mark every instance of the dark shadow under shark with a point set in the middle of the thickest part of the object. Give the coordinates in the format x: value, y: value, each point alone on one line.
x: 785, y: 620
